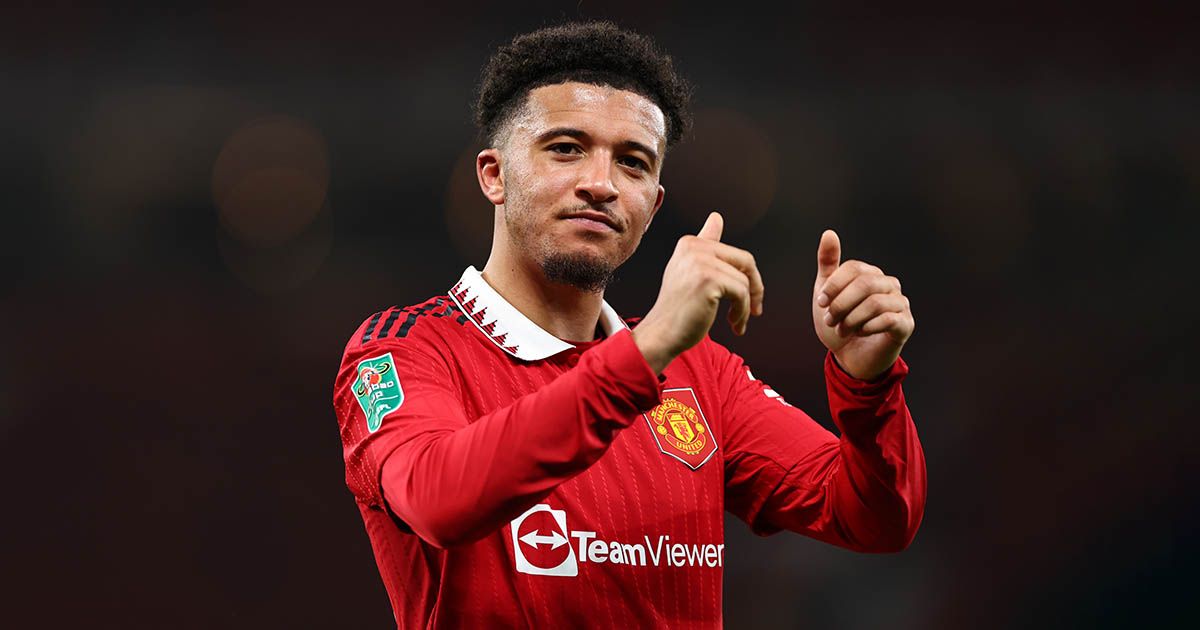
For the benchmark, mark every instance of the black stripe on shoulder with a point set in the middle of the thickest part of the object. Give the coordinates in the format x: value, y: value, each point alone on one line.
x: 408, y: 324
x: 371, y: 327
x: 387, y: 324
x: 425, y: 309
x: 408, y: 317
x: 452, y: 310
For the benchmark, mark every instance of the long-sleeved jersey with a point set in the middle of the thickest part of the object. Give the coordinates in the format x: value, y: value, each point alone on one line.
x: 508, y: 478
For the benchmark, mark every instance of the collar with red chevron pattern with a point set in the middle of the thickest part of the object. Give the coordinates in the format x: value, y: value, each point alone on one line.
x: 508, y: 327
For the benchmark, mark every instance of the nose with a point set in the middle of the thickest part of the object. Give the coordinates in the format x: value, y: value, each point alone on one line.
x: 595, y: 181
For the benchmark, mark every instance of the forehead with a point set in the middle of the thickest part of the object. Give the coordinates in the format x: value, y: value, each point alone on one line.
x: 599, y: 110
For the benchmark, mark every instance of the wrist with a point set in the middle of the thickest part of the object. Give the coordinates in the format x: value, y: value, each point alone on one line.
x: 874, y: 377
x: 657, y: 354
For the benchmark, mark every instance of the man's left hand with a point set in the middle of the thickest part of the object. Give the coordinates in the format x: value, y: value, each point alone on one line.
x: 859, y: 312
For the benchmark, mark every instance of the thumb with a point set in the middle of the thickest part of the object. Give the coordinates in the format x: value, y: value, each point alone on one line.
x: 712, y: 227
x: 829, y: 255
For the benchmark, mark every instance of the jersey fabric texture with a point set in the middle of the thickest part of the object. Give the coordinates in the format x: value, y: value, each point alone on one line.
x: 508, y: 478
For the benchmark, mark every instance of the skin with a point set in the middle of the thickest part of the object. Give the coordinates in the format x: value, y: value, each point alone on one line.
x: 578, y: 147
x: 859, y: 312
x: 606, y: 158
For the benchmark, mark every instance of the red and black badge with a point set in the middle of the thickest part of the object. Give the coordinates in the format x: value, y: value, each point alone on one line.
x: 680, y: 428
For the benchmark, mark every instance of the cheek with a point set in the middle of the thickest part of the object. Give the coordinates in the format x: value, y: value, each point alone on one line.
x: 555, y: 183
x: 638, y: 217
x: 544, y: 190
x: 646, y: 196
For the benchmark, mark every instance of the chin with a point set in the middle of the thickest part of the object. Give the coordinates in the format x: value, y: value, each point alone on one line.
x: 590, y: 249
x: 580, y: 256
x: 580, y: 269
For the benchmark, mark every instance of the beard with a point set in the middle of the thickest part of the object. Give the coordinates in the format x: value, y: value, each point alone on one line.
x: 577, y: 269
x: 586, y: 273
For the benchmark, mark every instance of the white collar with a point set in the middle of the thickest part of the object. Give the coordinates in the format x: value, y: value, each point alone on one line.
x: 507, y: 327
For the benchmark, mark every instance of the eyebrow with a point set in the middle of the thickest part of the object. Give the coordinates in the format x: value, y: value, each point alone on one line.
x: 580, y: 134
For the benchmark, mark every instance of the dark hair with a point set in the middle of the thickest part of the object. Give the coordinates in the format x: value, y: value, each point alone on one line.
x: 599, y: 53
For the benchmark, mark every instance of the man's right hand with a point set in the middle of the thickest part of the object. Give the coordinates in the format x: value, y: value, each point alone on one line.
x: 701, y: 273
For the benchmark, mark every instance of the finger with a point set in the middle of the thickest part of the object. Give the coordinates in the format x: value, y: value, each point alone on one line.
x: 898, y: 326
x: 859, y: 289
x: 737, y: 291
x: 829, y: 256
x: 712, y: 227
x: 874, y: 304
x: 744, y: 262
x: 735, y: 287
x: 845, y: 274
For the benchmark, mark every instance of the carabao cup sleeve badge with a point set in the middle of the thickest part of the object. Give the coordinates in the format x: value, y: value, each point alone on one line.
x: 378, y: 389
x: 680, y: 428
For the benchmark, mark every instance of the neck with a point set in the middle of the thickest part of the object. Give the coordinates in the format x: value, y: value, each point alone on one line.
x: 561, y: 310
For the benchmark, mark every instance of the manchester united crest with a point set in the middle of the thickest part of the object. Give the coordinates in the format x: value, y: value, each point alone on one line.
x: 680, y: 428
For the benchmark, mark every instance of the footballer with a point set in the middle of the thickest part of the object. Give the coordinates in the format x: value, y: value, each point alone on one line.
x: 524, y: 456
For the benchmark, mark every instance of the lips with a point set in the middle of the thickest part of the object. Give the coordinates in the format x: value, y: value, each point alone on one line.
x: 592, y: 215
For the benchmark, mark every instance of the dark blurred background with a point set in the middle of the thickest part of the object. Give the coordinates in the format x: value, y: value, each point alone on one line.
x: 201, y: 204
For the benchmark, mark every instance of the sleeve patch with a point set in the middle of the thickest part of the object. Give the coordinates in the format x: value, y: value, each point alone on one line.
x: 377, y: 389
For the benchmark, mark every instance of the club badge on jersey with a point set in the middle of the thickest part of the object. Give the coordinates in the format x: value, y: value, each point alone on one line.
x: 377, y: 389
x: 680, y: 428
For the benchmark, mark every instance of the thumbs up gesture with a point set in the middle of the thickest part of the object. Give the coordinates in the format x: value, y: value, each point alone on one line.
x: 858, y: 312
x: 702, y: 272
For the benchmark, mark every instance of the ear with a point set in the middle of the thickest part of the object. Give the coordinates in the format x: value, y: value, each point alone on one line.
x: 491, y: 177
x: 662, y: 192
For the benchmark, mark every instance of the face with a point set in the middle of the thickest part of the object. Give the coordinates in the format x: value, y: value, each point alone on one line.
x: 576, y: 179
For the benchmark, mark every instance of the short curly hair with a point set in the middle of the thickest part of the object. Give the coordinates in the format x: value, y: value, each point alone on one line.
x: 599, y: 53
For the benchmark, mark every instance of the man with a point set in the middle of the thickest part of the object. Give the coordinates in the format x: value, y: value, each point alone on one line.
x: 523, y: 456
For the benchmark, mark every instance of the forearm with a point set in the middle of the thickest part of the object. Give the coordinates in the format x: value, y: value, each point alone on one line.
x: 864, y: 491
x: 453, y: 487
x: 876, y: 498
x: 877, y: 493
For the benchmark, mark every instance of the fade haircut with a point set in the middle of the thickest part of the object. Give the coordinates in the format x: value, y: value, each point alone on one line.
x: 598, y: 53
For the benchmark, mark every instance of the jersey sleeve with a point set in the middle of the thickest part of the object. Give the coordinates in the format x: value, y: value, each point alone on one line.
x: 386, y: 393
x: 864, y: 490
x: 451, y: 478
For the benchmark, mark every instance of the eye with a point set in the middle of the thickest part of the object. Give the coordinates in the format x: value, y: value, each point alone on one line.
x: 565, y: 148
x: 633, y: 162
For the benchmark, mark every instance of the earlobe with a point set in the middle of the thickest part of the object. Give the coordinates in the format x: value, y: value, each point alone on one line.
x: 490, y: 175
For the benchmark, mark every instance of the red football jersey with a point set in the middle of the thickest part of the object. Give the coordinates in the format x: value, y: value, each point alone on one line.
x: 508, y: 478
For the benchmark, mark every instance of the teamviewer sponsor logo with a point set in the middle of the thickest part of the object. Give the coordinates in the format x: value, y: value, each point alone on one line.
x: 542, y: 545
x: 540, y: 542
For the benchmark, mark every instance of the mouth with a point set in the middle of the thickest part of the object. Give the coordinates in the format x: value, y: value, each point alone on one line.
x: 592, y: 220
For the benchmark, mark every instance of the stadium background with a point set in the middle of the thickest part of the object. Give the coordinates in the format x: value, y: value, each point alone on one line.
x: 201, y: 204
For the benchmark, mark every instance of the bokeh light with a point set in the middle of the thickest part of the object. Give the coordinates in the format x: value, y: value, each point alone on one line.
x: 270, y: 180
x: 139, y: 151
